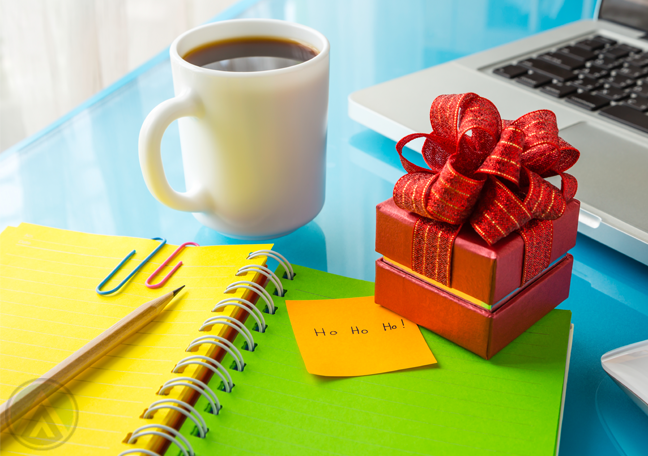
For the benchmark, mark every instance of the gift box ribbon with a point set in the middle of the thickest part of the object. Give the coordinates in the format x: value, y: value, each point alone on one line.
x: 489, y: 172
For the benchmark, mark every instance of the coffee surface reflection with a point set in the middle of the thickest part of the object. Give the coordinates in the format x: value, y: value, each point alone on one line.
x: 250, y: 54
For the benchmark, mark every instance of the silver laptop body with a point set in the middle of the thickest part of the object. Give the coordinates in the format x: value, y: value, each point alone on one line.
x: 612, y: 172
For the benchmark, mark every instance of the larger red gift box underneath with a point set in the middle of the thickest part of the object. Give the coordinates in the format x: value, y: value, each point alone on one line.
x: 474, y: 328
x: 486, y: 273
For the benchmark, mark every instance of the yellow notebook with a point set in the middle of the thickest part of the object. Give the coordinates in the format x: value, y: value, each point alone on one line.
x: 49, y: 309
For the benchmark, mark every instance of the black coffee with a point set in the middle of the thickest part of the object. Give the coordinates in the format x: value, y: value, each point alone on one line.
x: 250, y: 54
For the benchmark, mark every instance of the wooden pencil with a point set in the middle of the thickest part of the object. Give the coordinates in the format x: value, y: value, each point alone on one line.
x: 20, y: 404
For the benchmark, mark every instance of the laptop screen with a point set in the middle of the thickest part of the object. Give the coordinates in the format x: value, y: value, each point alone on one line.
x: 633, y: 13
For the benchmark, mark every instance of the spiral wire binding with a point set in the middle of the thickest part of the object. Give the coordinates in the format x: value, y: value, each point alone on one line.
x: 277, y: 256
x: 200, y: 387
x: 245, y: 305
x: 164, y: 404
x: 187, y: 449
x: 255, y: 287
x: 225, y: 344
x: 196, y: 359
x: 172, y: 435
x: 266, y: 272
x: 232, y: 323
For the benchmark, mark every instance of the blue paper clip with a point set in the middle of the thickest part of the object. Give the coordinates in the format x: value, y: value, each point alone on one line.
x: 118, y: 267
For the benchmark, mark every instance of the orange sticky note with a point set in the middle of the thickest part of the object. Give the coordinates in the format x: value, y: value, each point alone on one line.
x: 355, y: 336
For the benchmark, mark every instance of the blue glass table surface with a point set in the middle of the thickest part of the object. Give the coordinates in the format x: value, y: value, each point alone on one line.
x: 82, y: 173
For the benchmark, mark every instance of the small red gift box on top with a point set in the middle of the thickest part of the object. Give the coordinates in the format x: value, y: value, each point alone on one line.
x: 480, y: 273
x: 468, y: 242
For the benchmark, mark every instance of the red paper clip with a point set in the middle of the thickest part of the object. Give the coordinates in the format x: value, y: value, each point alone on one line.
x: 163, y: 265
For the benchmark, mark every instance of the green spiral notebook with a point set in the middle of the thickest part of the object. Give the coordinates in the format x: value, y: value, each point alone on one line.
x: 510, y: 405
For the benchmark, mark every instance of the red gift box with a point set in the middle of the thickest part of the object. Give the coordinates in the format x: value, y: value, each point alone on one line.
x: 485, y: 180
x: 469, y: 241
x: 488, y: 273
x: 476, y: 329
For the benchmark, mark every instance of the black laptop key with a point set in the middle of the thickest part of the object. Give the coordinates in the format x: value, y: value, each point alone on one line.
x: 604, y: 39
x: 641, y: 90
x: 616, y: 52
x: 586, y: 83
x: 576, y: 52
x: 591, y: 45
x: 594, y: 72
x: 634, y: 50
x: 627, y: 115
x: 607, y: 64
x: 637, y: 102
x: 618, y: 81
x: 588, y: 101
x: 558, y: 89
x: 548, y: 69
x: 533, y: 80
x: 563, y: 60
x: 632, y: 71
x: 612, y: 94
x: 640, y: 60
x: 510, y: 71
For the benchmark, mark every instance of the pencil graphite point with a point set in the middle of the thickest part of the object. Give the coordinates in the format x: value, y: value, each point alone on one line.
x: 175, y: 292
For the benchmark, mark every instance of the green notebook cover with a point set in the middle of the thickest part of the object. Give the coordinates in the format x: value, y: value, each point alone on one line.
x: 464, y: 406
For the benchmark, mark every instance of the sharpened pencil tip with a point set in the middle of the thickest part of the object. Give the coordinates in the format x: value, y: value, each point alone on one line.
x: 175, y: 292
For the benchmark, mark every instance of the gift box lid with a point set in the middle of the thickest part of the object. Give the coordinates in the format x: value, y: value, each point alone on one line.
x: 484, y: 272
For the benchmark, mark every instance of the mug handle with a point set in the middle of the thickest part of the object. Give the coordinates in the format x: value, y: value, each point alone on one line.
x: 150, y: 138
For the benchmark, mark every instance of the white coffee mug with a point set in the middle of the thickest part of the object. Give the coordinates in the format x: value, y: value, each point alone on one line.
x: 253, y: 143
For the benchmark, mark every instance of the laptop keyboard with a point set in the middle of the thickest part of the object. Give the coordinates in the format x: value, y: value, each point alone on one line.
x: 595, y: 74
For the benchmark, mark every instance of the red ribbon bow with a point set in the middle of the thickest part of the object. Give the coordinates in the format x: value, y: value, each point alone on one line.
x: 490, y: 172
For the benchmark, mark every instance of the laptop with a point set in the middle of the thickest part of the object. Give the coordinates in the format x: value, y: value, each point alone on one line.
x: 593, y: 74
